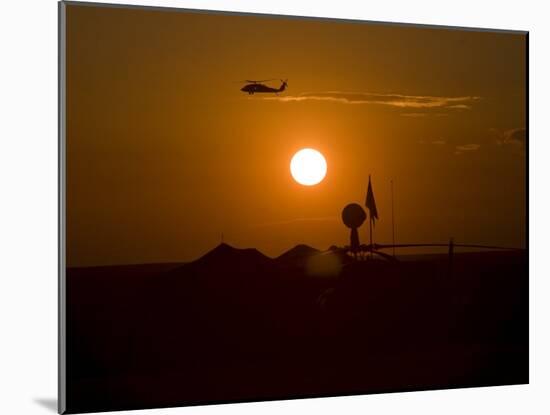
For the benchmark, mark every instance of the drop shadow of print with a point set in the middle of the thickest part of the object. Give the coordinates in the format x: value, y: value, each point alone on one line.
x: 48, y: 403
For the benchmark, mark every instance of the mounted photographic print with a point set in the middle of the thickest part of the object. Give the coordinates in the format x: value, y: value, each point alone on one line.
x: 258, y: 207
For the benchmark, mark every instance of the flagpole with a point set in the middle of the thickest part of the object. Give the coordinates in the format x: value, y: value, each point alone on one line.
x: 392, y: 221
x: 370, y: 232
x: 373, y: 214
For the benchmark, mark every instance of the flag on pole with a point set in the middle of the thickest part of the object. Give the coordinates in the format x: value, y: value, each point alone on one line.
x: 371, y: 204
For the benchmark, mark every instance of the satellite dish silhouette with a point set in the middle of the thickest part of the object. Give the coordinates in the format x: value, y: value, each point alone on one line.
x: 353, y: 216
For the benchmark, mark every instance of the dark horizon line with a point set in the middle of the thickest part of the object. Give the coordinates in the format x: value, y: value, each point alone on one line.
x: 487, y: 248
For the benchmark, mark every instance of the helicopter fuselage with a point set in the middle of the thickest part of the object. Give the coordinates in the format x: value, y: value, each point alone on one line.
x: 256, y: 88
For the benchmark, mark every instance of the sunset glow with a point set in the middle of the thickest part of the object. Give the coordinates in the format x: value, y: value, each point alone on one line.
x: 308, y: 167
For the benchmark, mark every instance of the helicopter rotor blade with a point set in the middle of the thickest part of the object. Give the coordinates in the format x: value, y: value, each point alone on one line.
x: 255, y: 82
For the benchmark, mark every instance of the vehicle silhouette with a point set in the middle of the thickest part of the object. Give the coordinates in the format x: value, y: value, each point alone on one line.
x: 255, y: 87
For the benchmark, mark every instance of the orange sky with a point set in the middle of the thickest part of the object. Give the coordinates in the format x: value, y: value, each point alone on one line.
x: 164, y: 153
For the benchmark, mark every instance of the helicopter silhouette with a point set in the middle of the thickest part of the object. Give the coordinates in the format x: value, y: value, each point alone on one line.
x: 254, y: 87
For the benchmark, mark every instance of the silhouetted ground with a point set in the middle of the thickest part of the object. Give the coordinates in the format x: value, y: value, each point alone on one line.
x: 236, y: 325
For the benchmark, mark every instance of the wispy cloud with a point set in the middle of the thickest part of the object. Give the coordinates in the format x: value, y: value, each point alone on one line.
x: 392, y: 100
x: 414, y: 114
x: 438, y: 142
x: 423, y: 114
x: 460, y: 106
x: 468, y: 147
x: 514, y: 139
x: 297, y: 220
x: 465, y: 148
x: 517, y: 136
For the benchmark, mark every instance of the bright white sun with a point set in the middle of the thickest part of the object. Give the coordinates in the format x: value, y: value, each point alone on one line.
x: 308, y: 167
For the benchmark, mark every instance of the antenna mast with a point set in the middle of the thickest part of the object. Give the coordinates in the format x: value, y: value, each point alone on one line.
x: 392, y: 221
